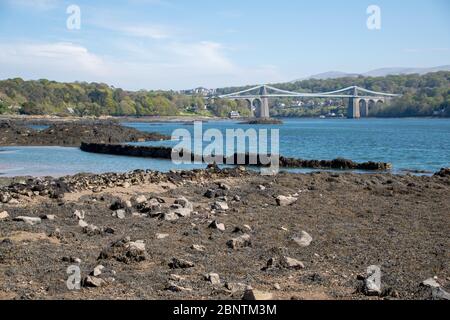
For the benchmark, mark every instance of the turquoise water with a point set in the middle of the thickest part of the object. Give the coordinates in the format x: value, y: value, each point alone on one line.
x: 409, y: 144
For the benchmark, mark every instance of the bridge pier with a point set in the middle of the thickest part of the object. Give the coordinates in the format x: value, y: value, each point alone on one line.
x: 364, y: 108
x: 353, y: 111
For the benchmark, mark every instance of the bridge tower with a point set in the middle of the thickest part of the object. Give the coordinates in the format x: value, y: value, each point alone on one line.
x: 264, y: 109
x: 353, y: 111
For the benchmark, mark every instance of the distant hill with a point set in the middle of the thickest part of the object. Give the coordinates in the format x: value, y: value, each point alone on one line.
x: 375, y: 73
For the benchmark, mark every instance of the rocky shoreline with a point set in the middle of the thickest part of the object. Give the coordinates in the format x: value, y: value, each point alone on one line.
x: 70, y: 134
x: 225, y: 234
x: 241, y: 159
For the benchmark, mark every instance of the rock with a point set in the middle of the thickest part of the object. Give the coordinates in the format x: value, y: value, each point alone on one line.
x: 371, y: 288
x: 126, y: 185
x: 284, y: 201
x: 120, y: 214
x: 176, y: 288
x: 91, y: 230
x: 431, y: 283
x: 198, y: 248
x: 29, y: 220
x: 5, y: 197
x: 277, y: 286
x: 176, y: 277
x: 224, y: 186
x: 181, y: 264
x: 125, y: 251
x: 239, y: 242
x: 93, y: 282
x: 128, y: 204
x: 236, y: 286
x: 161, y: 236
x: 4, y: 215
x: 182, y: 212
x: 237, y: 198
x: 304, y: 240
x: 291, y: 263
x: 220, y: 205
x: 214, y: 278
x: 184, y: 203
x: 252, y: 294
x: 261, y: 187
x: 83, y: 224
x: 170, y: 216
x: 13, y: 201
x: 139, y: 199
x: 49, y: 217
x: 439, y: 294
x: 218, y: 226
x: 80, y: 215
x: 210, y: 193
x: 117, y: 205
x: 97, y: 270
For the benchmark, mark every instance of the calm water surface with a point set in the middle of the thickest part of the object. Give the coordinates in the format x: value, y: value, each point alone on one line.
x: 409, y: 144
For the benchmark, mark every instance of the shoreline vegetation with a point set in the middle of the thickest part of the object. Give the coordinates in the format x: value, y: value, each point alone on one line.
x: 422, y: 96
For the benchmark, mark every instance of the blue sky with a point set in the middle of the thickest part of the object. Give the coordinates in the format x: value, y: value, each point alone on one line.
x: 178, y: 44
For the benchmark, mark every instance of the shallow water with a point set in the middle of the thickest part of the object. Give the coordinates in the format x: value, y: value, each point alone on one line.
x: 409, y: 144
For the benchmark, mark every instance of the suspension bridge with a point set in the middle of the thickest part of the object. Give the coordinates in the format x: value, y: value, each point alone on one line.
x: 360, y: 100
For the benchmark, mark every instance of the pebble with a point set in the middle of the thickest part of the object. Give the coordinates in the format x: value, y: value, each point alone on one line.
x: 29, y: 220
x: 261, y: 187
x: 161, y: 236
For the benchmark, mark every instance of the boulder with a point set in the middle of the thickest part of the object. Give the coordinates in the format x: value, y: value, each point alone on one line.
x: 284, y: 201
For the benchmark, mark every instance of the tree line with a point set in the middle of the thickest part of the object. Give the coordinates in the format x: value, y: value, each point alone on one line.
x: 423, y: 95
